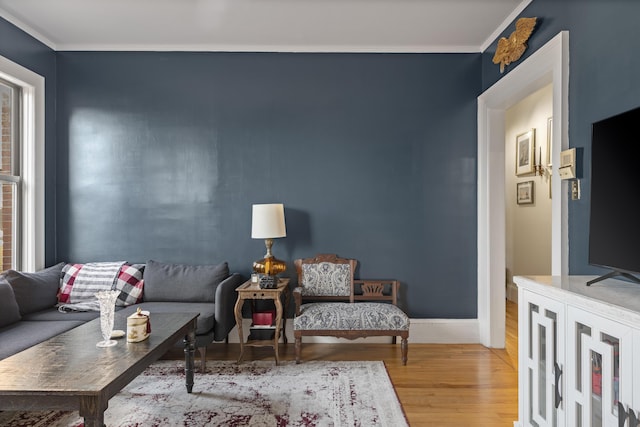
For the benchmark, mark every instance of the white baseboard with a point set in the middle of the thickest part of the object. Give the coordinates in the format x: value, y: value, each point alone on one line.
x: 444, y: 331
x: 421, y: 331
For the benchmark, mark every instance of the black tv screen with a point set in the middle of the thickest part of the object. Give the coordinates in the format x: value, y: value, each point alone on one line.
x: 614, y: 226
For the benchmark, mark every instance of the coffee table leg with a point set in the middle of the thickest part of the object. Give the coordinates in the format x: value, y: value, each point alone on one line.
x: 189, y: 350
x: 92, y: 410
x: 94, y: 421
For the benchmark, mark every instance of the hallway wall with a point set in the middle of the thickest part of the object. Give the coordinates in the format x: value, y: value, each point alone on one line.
x: 528, y: 226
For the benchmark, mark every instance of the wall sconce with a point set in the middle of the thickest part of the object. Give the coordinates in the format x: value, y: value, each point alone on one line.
x: 268, y: 223
x: 539, y: 169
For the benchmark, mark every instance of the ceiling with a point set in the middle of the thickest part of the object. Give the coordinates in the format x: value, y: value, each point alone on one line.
x: 265, y: 25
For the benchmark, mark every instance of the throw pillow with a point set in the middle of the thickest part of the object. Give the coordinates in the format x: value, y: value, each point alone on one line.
x: 35, y: 291
x: 67, y: 277
x: 9, y: 310
x: 130, y: 284
x: 128, y: 281
x: 181, y: 282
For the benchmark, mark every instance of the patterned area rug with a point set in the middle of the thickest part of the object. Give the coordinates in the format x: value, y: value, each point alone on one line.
x: 257, y: 393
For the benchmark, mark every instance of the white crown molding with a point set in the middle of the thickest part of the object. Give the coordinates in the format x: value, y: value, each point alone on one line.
x: 225, y: 47
x: 269, y: 48
x: 282, y: 48
x: 27, y: 29
x: 508, y: 20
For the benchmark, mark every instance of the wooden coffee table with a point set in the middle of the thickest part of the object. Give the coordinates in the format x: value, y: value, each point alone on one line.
x: 69, y: 372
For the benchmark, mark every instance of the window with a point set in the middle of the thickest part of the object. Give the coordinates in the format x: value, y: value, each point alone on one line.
x: 10, y: 95
x: 22, y: 105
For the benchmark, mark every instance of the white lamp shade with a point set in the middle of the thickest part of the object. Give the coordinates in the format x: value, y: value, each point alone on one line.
x: 268, y: 221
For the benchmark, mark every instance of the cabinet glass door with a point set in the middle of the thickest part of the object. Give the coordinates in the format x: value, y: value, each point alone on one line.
x: 600, y: 377
x: 633, y: 408
x: 543, y: 405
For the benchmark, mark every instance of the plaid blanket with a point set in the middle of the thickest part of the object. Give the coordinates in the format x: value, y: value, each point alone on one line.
x: 89, y: 279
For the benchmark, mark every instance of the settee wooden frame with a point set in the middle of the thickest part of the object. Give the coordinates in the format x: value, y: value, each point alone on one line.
x: 361, y: 290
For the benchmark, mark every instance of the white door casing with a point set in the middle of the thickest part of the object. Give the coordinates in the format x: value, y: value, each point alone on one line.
x: 549, y: 64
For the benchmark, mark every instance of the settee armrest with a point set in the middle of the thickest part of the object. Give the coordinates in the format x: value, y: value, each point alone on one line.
x: 372, y: 290
x: 225, y: 301
x: 297, y: 298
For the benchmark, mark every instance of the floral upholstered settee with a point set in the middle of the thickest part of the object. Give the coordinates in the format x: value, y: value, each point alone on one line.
x: 330, y: 302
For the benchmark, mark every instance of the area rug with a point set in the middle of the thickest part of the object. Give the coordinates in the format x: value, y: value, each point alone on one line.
x: 257, y: 393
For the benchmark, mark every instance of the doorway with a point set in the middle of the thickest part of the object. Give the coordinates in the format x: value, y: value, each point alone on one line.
x: 528, y: 194
x: 547, y: 65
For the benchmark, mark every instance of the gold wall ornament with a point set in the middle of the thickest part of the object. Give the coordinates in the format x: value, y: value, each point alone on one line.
x: 511, y: 49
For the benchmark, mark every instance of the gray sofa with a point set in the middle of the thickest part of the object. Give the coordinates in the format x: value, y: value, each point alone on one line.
x: 29, y: 313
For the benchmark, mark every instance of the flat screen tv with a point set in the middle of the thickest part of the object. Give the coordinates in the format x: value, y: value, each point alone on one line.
x: 614, y: 225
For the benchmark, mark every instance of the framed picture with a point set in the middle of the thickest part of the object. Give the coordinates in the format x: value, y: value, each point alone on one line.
x: 524, y: 193
x: 525, y: 160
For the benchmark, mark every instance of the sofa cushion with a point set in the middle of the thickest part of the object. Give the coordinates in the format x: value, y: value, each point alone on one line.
x: 206, y: 319
x: 181, y: 282
x: 346, y: 316
x: 24, y: 334
x: 9, y: 310
x: 130, y: 284
x: 55, y: 315
x: 35, y: 291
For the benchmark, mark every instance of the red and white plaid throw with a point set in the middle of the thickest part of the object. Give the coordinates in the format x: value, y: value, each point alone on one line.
x: 84, y: 280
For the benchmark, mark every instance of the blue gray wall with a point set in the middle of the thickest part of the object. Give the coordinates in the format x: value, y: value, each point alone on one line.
x: 161, y: 155
x: 604, y: 79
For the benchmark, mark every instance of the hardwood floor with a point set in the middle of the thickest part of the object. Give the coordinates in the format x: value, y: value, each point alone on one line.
x: 441, y: 385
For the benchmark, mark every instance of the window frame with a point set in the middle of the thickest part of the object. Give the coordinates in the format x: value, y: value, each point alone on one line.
x: 12, y: 176
x: 31, y: 164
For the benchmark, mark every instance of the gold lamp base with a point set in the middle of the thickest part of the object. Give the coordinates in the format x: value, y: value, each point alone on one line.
x: 269, y: 266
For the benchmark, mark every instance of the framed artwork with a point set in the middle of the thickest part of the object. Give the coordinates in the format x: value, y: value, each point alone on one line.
x: 524, y: 193
x: 525, y: 160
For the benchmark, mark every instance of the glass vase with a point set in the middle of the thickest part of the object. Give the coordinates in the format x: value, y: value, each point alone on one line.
x: 107, y: 300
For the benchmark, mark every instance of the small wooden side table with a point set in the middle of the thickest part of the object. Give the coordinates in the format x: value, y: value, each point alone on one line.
x: 252, y: 291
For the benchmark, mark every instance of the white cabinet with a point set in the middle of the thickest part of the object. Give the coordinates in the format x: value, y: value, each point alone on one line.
x: 633, y: 410
x: 541, y: 359
x: 579, y: 352
x: 601, y: 373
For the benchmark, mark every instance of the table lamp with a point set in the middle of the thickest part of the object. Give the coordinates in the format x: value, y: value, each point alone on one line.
x: 268, y: 223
